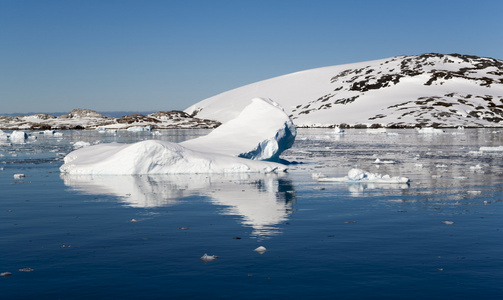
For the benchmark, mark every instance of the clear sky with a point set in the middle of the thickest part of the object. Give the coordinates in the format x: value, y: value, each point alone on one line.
x: 145, y: 55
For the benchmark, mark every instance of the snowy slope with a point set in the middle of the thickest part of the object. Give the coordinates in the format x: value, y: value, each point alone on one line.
x: 423, y: 90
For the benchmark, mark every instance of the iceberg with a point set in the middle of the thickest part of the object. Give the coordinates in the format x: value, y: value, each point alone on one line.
x: 261, y: 132
x: 360, y: 176
x: 18, y: 136
x: 157, y: 157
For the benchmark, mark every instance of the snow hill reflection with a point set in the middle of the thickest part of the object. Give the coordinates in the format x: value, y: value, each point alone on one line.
x: 263, y: 201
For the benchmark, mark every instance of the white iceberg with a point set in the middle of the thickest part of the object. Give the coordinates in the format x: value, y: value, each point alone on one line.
x: 18, y: 136
x: 360, y: 176
x: 261, y: 132
x: 157, y: 157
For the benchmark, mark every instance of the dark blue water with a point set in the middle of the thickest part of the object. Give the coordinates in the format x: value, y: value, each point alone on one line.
x: 143, y: 236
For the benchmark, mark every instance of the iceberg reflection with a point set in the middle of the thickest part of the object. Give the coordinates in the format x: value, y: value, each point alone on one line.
x: 261, y: 200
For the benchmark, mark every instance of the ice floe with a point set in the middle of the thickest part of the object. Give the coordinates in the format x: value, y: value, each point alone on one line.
x: 358, y: 175
x: 430, y: 130
x: 491, y: 149
x: 260, y: 250
x: 208, y: 258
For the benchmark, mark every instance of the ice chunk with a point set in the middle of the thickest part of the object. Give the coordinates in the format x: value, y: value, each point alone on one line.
x: 81, y: 144
x: 260, y: 250
x: 358, y: 175
x: 383, y: 162
x: 338, y: 130
x: 18, y: 136
x: 430, y: 130
x: 140, y: 129
x: 207, y: 258
x: 491, y: 149
x: 18, y: 176
x: 262, y: 131
x: 3, y: 135
x: 157, y: 157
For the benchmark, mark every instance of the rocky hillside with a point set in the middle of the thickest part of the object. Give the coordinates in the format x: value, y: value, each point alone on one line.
x: 89, y: 119
x: 404, y: 91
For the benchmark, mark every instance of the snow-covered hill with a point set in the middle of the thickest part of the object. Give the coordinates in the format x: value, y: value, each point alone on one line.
x: 403, y: 91
x: 90, y: 119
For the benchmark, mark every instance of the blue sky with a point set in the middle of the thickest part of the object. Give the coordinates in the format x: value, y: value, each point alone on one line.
x: 165, y: 55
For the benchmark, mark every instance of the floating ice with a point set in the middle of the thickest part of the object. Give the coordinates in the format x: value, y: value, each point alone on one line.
x: 26, y: 270
x: 358, y: 175
x: 5, y: 274
x: 140, y: 129
x: 18, y: 176
x: 157, y: 157
x: 338, y: 130
x: 18, y: 136
x: 376, y: 130
x: 448, y: 222
x: 491, y: 149
x: 81, y: 144
x: 430, y: 130
x: 261, y: 132
x: 207, y: 258
x: 383, y: 162
x: 260, y: 249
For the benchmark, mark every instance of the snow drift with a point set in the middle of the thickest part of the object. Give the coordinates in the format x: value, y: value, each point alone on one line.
x: 261, y: 131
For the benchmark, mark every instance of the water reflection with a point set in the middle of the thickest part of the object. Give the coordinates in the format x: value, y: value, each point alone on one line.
x: 263, y: 201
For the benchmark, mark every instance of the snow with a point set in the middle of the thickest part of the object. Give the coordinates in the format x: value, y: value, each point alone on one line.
x: 261, y: 132
x: 327, y: 96
x: 360, y: 176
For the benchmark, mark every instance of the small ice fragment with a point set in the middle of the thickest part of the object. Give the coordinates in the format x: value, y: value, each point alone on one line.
x: 338, y: 130
x: 18, y: 176
x: 207, y: 258
x: 419, y: 166
x: 5, y: 274
x: 383, y: 162
x: 478, y: 167
x: 26, y: 270
x: 133, y: 221
x: 430, y: 130
x: 474, y: 192
x: 448, y: 222
x: 491, y: 149
x: 81, y: 144
x: 260, y: 249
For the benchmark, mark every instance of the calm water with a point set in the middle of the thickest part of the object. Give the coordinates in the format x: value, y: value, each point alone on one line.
x: 142, y: 237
